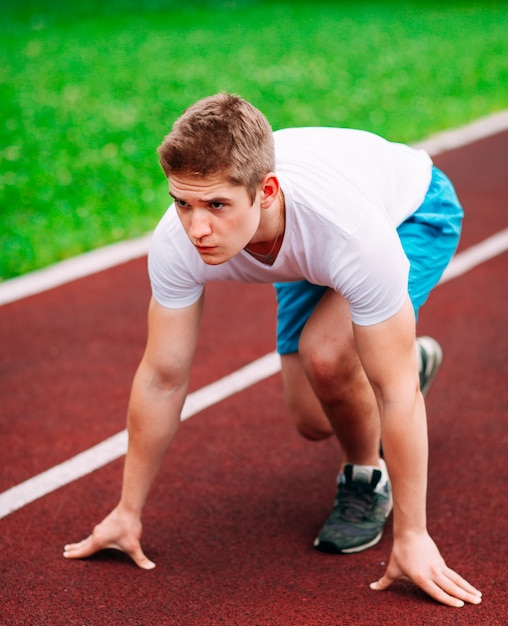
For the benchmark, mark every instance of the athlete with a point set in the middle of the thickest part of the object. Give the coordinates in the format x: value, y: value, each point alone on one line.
x: 355, y: 231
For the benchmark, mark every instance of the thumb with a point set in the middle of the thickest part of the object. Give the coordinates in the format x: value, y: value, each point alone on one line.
x: 383, y: 583
x: 141, y: 559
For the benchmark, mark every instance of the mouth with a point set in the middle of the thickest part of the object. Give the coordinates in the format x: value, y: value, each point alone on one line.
x: 204, y: 249
x: 210, y: 255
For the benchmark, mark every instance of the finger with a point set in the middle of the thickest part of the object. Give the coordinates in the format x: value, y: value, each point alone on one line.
x: 383, y: 583
x: 436, y: 592
x: 141, y: 560
x: 463, y: 584
x: 80, y: 550
x: 132, y: 547
x: 458, y: 588
x: 445, y: 591
x: 87, y: 547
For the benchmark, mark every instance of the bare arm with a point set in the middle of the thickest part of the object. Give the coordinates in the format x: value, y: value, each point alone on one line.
x: 157, y: 396
x: 388, y: 355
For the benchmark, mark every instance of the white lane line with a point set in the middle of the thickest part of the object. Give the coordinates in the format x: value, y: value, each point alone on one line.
x: 113, y: 448
x: 477, y: 254
x: 86, y: 264
x: 116, y: 446
x: 118, y: 253
x: 77, y: 267
x: 456, y: 138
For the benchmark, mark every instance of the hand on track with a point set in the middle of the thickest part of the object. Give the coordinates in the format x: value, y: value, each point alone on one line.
x: 117, y: 531
x: 418, y: 559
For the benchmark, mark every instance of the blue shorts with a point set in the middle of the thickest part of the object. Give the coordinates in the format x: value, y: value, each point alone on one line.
x: 429, y: 238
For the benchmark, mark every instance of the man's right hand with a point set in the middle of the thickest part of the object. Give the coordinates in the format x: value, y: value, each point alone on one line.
x: 158, y: 393
x: 118, y: 531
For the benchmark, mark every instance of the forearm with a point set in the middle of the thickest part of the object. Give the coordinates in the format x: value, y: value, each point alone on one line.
x: 414, y: 554
x: 153, y: 418
x: 405, y: 448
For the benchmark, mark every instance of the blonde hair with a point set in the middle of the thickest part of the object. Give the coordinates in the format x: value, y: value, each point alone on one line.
x: 220, y: 134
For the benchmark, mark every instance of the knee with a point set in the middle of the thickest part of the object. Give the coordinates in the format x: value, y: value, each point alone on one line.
x: 332, y: 369
x: 312, y: 434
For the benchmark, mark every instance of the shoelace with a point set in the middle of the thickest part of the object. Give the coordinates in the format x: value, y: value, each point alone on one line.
x: 355, y: 503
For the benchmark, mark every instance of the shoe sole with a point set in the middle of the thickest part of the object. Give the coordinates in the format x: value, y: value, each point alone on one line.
x: 331, y: 548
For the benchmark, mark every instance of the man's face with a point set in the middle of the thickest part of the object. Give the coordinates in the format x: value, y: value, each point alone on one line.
x: 218, y: 217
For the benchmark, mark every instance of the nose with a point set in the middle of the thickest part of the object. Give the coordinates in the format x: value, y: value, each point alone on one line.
x: 199, y: 224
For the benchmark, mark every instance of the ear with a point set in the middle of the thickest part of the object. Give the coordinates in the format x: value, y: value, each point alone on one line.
x: 270, y: 188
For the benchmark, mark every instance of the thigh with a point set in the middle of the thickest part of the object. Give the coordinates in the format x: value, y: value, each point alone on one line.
x: 327, y: 344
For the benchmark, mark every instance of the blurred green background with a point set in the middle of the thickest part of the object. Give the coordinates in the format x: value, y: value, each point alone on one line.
x: 88, y: 89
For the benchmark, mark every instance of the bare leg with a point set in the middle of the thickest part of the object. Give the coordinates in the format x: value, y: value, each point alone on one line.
x: 304, y: 407
x: 329, y: 361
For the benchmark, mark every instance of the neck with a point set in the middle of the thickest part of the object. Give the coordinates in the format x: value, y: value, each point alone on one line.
x: 266, y: 249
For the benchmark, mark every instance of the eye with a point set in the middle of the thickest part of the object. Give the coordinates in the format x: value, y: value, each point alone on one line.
x: 216, y: 205
x: 181, y: 203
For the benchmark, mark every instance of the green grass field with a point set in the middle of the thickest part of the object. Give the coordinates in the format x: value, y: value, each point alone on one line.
x: 89, y: 89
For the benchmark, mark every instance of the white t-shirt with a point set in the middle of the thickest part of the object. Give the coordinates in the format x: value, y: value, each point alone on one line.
x: 346, y: 191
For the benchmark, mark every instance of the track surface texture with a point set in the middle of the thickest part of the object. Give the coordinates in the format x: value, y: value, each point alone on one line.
x: 233, y: 513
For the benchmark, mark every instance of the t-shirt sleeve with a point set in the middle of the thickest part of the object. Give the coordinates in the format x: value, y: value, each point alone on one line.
x: 171, y: 278
x: 376, y: 281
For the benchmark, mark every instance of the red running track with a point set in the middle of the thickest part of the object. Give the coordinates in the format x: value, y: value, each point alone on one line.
x: 232, y: 516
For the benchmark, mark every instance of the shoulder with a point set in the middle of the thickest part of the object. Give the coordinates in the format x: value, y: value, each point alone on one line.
x: 172, y: 264
x: 343, y: 144
x: 169, y: 240
x: 323, y: 135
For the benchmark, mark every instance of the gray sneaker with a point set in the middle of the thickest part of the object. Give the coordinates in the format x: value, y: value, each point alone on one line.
x: 364, y: 501
x: 430, y: 357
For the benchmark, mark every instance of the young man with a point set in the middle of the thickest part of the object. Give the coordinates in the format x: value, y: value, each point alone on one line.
x: 356, y: 231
